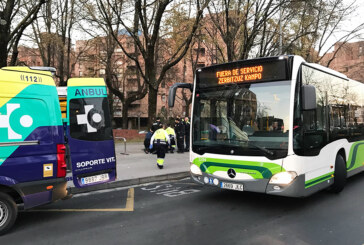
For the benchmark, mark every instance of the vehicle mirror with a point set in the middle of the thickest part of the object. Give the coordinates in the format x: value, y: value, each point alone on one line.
x: 173, y: 89
x: 308, y: 97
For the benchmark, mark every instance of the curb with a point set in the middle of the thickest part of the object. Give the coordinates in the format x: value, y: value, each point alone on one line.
x: 129, y: 182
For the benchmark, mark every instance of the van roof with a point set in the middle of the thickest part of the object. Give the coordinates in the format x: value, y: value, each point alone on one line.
x: 23, y: 74
x: 27, y: 69
x: 85, y: 81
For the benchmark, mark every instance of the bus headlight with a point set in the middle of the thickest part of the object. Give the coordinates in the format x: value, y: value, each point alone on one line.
x: 283, y: 178
x: 195, y: 170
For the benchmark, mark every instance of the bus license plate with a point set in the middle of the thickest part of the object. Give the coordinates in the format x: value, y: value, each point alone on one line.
x: 231, y: 186
x: 94, y: 179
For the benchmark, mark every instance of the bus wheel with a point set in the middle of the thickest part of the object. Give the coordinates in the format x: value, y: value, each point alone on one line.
x: 8, y: 212
x: 339, y: 175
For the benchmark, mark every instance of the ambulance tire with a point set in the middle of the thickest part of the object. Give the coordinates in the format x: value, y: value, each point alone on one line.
x: 339, y: 175
x: 8, y: 213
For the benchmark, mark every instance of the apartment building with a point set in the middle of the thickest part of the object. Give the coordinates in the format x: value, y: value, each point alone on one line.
x: 349, y: 59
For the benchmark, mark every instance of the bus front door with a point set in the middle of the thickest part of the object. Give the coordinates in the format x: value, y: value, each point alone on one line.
x: 90, y: 137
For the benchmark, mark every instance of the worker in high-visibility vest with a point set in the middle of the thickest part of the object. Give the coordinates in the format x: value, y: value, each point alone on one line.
x: 172, y: 137
x: 160, y: 141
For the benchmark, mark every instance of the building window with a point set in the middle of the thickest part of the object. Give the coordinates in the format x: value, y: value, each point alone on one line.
x: 360, y: 50
x: 131, y: 70
x: 132, y: 82
x: 200, y: 52
x: 200, y: 65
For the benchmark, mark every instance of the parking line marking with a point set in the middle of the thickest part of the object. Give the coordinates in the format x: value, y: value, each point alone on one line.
x: 129, y: 207
x: 130, y: 201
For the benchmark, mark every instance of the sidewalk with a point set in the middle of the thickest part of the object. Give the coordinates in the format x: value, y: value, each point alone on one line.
x: 136, y: 167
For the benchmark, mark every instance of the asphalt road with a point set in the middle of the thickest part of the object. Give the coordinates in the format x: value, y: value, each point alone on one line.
x: 181, y: 212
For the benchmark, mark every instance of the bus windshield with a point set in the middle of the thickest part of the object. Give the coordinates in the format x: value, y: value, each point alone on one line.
x: 243, y: 119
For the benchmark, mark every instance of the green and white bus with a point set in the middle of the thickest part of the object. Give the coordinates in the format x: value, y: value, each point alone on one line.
x: 275, y: 125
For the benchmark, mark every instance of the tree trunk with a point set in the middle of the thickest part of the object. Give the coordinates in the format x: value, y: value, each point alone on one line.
x: 61, y: 70
x: 14, y: 56
x: 152, y: 104
x: 111, y: 106
x: 5, y: 14
x: 3, y: 52
x: 188, y: 103
x: 4, y: 39
x: 125, y: 116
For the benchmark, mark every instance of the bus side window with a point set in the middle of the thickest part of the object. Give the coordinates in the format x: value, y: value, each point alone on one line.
x: 315, y: 122
x: 346, y: 115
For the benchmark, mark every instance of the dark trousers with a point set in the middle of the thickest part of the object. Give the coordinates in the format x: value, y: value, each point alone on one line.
x: 187, y: 141
x: 180, y: 143
x: 146, y: 143
x: 161, y: 148
x: 172, y: 146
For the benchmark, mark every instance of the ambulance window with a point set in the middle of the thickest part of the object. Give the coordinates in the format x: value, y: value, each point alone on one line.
x: 90, y: 119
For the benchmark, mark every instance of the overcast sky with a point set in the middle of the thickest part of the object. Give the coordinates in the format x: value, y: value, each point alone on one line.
x: 354, y: 20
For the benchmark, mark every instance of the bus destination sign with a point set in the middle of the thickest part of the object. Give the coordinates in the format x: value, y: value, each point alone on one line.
x: 265, y: 70
x: 237, y: 75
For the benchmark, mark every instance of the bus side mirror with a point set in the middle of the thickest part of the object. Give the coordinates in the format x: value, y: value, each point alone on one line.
x: 308, y: 97
x: 173, y: 89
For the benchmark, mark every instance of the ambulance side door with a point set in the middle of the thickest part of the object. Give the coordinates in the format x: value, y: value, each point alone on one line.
x: 89, y: 132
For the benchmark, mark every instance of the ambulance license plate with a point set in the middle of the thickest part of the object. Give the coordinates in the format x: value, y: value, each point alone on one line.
x: 232, y: 186
x: 94, y: 179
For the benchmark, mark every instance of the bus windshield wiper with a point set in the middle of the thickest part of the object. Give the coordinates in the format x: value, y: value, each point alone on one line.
x: 269, y: 152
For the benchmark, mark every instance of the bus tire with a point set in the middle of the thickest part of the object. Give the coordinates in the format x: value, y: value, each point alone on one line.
x: 8, y: 213
x: 339, y: 175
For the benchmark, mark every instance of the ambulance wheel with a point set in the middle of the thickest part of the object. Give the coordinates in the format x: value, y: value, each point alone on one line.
x: 339, y: 175
x: 8, y: 213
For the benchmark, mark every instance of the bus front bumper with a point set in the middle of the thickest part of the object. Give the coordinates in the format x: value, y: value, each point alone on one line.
x: 295, y: 189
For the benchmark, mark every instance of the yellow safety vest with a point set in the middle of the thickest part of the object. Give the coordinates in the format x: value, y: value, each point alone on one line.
x: 170, y: 131
x: 160, y: 134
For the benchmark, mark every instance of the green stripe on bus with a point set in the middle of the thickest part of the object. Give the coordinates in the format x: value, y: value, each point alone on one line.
x: 318, y: 180
x: 266, y: 169
x: 356, y: 160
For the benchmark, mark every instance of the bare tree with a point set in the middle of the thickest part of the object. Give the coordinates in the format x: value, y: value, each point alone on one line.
x: 43, y: 38
x: 65, y: 19
x: 14, y: 19
x: 255, y: 27
x: 193, y: 58
x: 52, y: 32
x: 239, y: 24
x: 315, y: 23
x: 122, y: 80
x: 151, y: 15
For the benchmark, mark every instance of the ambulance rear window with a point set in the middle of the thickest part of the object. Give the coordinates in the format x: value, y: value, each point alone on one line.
x: 90, y: 119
